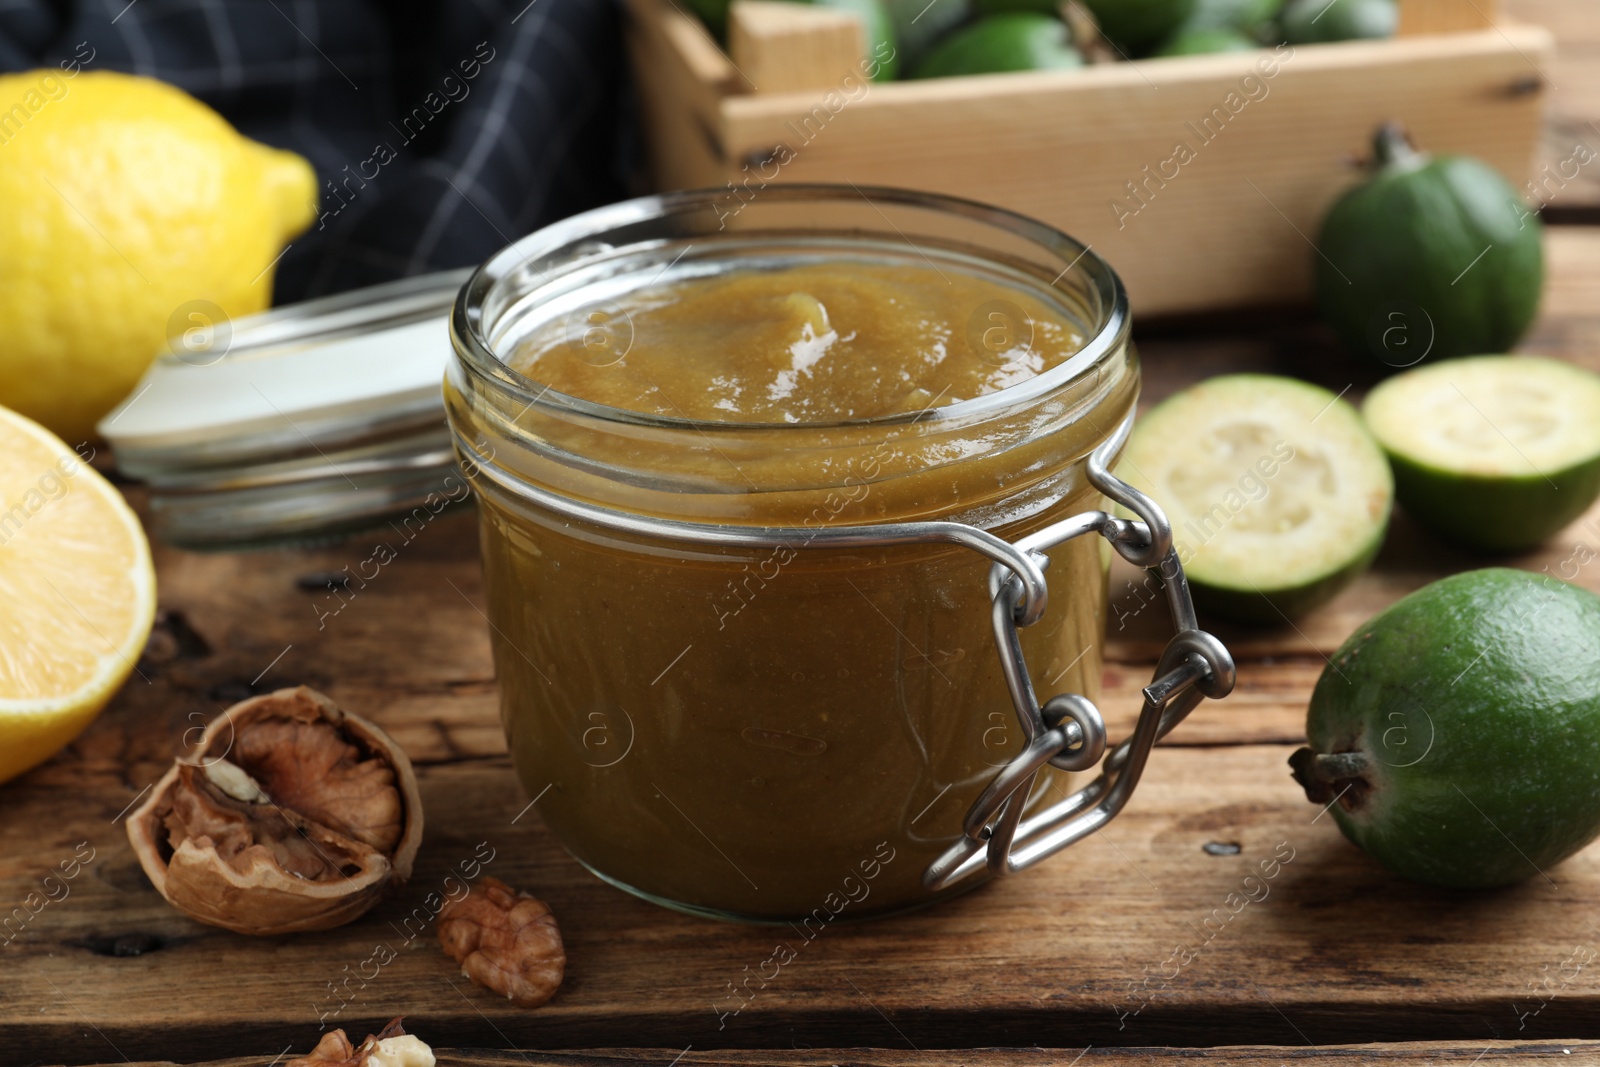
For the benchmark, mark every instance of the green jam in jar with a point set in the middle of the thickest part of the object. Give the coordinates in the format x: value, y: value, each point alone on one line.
x: 793, y: 730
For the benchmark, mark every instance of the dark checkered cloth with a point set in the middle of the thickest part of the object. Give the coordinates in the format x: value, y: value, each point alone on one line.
x: 440, y: 130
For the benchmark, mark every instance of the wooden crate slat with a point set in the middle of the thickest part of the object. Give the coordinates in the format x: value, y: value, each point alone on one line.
x: 1224, y: 220
x: 783, y: 47
x: 1446, y: 16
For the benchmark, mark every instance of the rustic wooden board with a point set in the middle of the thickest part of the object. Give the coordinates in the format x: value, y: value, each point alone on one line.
x: 1080, y: 951
x: 1074, y: 953
x: 1485, y: 1054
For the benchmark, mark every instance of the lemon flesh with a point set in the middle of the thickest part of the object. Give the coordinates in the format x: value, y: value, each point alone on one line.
x: 77, y: 593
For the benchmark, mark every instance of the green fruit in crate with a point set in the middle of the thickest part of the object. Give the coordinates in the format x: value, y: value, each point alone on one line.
x: 1454, y: 734
x: 1138, y: 25
x: 919, y: 24
x: 1496, y: 452
x: 1002, y: 43
x: 1200, y: 42
x: 1320, y: 21
x: 1277, y: 495
x: 1009, y: 7
x: 1247, y: 16
x: 1434, y: 256
x: 1222, y: 26
x: 714, y: 13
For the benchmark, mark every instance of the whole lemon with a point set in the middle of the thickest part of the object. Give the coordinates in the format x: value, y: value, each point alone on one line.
x: 132, y: 213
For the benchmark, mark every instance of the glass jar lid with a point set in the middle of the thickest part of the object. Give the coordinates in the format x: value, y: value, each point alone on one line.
x: 303, y: 422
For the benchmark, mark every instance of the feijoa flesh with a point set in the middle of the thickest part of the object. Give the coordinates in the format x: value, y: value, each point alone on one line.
x: 1492, y: 452
x: 1277, y: 494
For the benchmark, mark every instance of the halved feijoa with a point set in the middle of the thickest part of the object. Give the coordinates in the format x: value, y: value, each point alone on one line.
x: 1277, y: 494
x: 1453, y: 736
x: 1492, y: 452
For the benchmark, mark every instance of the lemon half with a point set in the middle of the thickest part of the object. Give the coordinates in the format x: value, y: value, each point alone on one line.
x: 77, y: 593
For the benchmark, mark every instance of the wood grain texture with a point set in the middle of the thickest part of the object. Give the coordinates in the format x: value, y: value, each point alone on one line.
x: 1446, y: 16
x: 783, y: 47
x: 1486, y: 1054
x: 1222, y: 221
x: 1138, y: 937
x: 681, y: 76
x: 1079, y: 951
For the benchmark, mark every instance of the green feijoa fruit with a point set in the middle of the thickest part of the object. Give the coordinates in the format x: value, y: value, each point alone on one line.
x: 1136, y: 26
x: 1492, y: 452
x: 714, y: 13
x: 1009, y: 7
x: 1196, y: 42
x: 1319, y: 21
x: 1002, y: 43
x: 1434, y: 256
x: 1277, y: 494
x: 1454, y: 734
x: 918, y: 24
x: 1247, y: 16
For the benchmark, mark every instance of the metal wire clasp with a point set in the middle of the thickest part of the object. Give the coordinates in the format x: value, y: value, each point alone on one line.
x: 1067, y: 731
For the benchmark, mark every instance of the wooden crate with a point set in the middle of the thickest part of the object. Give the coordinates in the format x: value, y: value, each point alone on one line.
x: 1271, y: 139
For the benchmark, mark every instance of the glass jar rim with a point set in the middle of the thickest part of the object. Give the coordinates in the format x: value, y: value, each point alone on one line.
x: 469, y: 332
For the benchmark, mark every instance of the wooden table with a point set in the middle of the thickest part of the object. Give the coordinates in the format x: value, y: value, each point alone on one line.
x: 1337, y: 953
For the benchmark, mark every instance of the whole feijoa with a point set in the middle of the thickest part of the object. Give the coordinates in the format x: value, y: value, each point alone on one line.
x: 1434, y: 256
x: 1136, y: 26
x: 1323, y: 21
x: 1456, y: 735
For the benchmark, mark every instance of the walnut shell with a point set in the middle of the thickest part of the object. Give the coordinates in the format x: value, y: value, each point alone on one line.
x: 293, y: 816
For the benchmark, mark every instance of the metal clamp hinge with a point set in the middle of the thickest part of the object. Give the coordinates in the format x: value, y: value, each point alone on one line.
x: 1067, y: 731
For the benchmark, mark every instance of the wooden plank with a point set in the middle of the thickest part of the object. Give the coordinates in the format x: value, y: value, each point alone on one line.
x: 1565, y: 174
x: 1095, y: 151
x: 784, y: 47
x: 681, y: 78
x: 1490, y: 1054
x: 1071, y: 953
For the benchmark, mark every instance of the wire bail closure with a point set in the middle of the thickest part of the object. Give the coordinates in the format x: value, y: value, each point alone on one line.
x: 1067, y: 731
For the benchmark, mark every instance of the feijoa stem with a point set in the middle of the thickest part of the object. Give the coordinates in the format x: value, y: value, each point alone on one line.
x: 1326, y: 776
x: 1392, y: 148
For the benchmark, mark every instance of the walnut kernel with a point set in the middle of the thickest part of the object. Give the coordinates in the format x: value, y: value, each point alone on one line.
x: 391, y: 1047
x: 505, y: 940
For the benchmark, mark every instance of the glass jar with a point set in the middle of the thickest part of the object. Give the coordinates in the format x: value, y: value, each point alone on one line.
x: 749, y: 670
